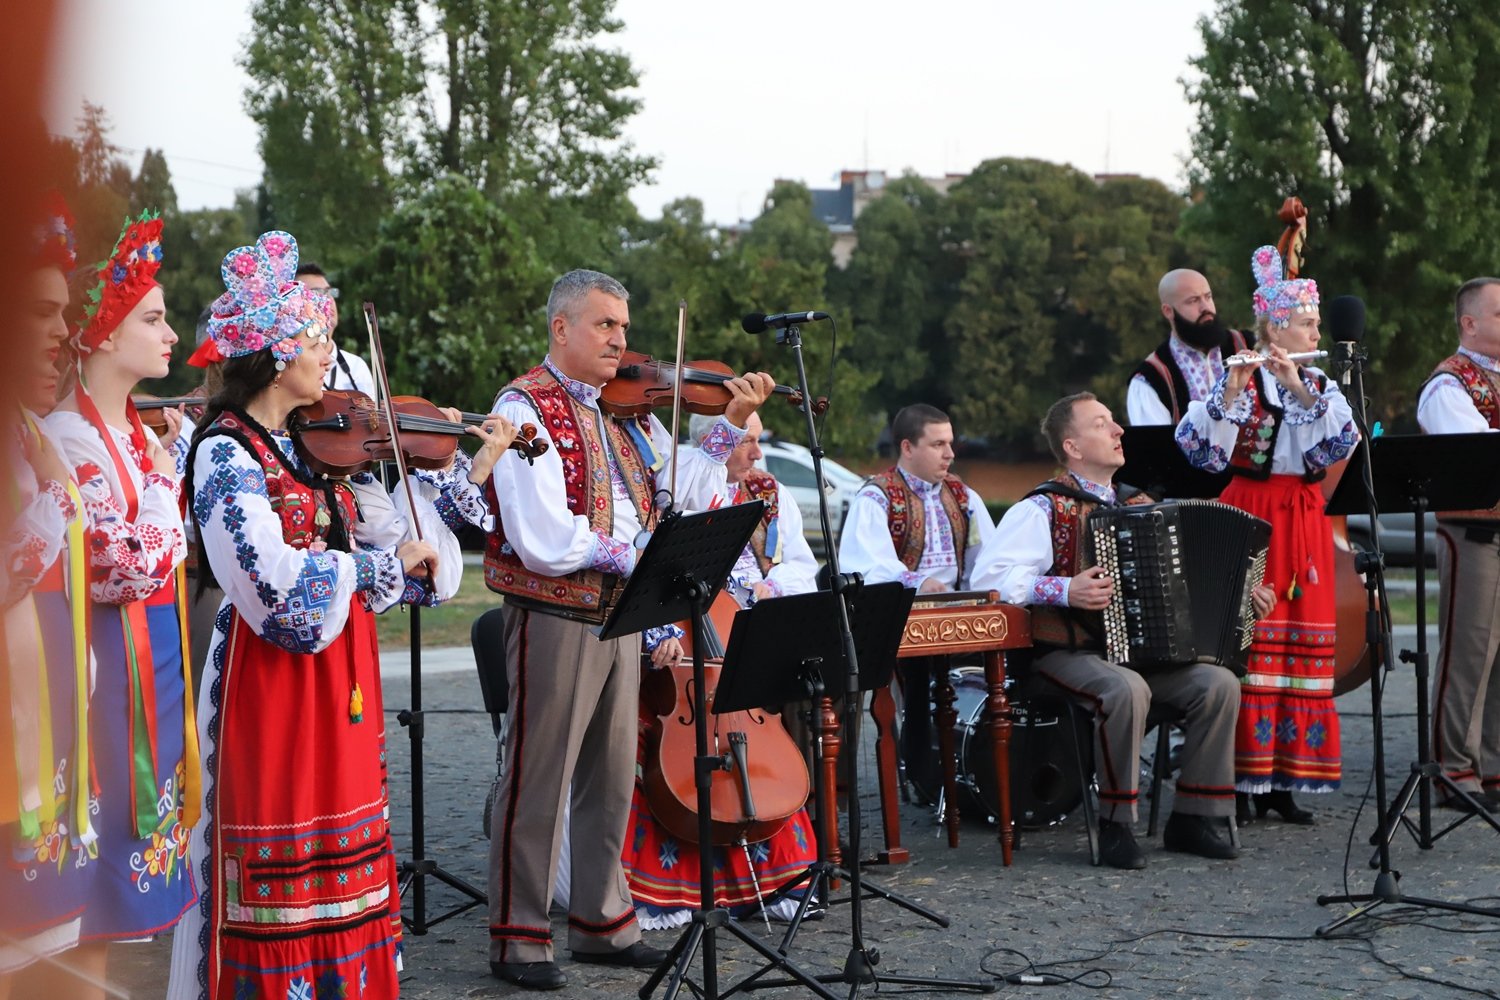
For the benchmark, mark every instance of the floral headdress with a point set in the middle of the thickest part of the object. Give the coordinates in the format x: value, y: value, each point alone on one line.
x: 52, y: 243
x: 123, y: 280
x: 1277, y: 300
x: 264, y: 305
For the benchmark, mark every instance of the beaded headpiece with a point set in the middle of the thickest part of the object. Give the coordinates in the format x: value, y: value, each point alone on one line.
x: 264, y: 305
x: 52, y: 243
x: 123, y: 280
x: 1275, y: 299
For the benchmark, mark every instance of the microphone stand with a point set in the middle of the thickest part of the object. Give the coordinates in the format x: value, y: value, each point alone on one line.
x: 1350, y: 356
x: 859, y: 964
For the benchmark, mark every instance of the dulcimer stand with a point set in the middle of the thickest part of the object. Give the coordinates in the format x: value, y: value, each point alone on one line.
x: 682, y: 568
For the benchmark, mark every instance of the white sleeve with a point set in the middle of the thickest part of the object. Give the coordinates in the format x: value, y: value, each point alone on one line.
x: 702, y: 475
x: 865, y: 546
x: 1445, y: 407
x: 295, y: 598
x: 384, y: 520
x: 1143, y: 406
x: 983, y: 530
x: 1206, y: 440
x: 1013, y: 561
x: 797, y: 573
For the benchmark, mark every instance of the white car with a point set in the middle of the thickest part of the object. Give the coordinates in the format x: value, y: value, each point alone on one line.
x: 792, y: 465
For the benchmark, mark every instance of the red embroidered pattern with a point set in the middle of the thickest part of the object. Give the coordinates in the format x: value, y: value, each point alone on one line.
x: 905, y: 517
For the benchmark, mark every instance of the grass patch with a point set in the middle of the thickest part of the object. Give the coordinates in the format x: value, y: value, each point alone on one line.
x: 445, y: 625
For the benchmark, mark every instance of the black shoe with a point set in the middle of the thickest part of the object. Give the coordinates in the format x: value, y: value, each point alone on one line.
x: 1491, y: 798
x: 1198, y: 835
x: 1281, y: 803
x: 1117, y: 846
x: 1242, y: 814
x: 638, y: 956
x: 1465, y: 806
x: 530, y: 975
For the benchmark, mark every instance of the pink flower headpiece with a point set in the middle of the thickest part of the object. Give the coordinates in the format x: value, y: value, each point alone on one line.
x: 1275, y: 299
x: 264, y: 305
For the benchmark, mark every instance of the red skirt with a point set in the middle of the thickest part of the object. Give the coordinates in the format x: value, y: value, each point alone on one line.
x: 1288, y: 732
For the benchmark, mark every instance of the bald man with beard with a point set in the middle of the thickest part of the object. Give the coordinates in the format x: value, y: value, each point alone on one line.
x: 1188, y: 363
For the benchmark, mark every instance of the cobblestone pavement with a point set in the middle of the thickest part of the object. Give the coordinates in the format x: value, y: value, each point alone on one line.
x: 1051, y: 904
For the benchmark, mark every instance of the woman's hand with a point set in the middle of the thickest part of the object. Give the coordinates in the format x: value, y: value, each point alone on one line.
x: 1239, y: 376
x: 1286, y: 372
x: 666, y: 653
x: 45, y: 462
x: 418, y: 559
x: 173, y: 418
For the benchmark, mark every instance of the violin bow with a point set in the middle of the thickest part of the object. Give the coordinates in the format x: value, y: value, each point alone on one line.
x: 677, y: 392
x: 383, y: 392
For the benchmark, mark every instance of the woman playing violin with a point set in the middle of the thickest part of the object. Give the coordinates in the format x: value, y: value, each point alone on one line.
x: 293, y: 847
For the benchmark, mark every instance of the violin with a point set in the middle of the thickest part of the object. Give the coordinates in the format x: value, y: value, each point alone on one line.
x: 642, y: 384
x: 151, y: 408
x: 346, y: 432
x: 767, y: 781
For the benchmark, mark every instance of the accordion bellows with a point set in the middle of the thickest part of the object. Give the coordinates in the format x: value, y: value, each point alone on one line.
x: 1184, y: 574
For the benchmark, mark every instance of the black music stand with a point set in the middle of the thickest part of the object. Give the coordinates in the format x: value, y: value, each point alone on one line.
x: 1421, y: 473
x: 1408, y: 482
x: 816, y: 667
x: 1154, y: 463
x: 683, y: 567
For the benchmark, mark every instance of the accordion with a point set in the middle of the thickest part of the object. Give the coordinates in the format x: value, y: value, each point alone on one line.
x: 1184, y: 574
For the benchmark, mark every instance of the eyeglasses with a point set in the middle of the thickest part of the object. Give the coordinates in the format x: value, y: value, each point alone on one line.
x: 331, y: 292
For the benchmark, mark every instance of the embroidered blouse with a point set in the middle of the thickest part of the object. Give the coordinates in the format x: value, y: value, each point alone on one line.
x: 128, y: 560
x: 1309, y: 438
x: 1445, y: 406
x: 1014, y: 560
x: 865, y: 544
x: 1143, y: 406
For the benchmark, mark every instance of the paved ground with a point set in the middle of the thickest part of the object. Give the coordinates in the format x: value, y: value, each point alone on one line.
x: 1252, y: 919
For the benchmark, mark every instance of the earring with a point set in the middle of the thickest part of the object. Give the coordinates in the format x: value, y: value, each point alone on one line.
x: 276, y: 382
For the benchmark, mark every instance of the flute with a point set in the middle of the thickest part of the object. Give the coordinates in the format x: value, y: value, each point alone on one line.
x: 1239, y: 360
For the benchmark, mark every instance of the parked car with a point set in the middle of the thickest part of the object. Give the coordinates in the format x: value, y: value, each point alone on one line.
x: 792, y: 465
x: 1397, y: 538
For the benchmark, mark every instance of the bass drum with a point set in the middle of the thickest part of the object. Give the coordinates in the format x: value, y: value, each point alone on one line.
x: 1044, y: 783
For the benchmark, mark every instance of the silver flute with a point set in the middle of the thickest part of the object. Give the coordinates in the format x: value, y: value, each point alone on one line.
x: 1240, y: 360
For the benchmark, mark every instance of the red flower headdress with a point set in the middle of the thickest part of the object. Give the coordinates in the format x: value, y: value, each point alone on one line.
x: 123, y: 280
x: 52, y: 243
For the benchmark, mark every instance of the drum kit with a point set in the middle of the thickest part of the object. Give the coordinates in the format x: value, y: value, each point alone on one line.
x: 1044, y: 784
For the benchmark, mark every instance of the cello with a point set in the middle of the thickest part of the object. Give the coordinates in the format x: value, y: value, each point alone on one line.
x: 1352, y: 655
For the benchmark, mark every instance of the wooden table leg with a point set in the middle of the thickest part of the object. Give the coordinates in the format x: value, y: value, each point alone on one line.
x: 999, y: 720
x: 828, y: 760
x: 945, y: 718
x: 883, y: 712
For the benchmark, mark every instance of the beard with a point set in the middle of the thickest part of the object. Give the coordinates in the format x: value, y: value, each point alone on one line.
x: 1205, y: 334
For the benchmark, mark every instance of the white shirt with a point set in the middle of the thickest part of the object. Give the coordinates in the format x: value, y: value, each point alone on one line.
x: 551, y: 540
x: 362, y: 381
x: 1015, y: 558
x: 1308, y: 438
x: 1445, y: 406
x: 865, y: 546
x: 1143, y: 407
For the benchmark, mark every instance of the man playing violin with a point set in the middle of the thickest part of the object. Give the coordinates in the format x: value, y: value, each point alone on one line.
x: 565, y: 541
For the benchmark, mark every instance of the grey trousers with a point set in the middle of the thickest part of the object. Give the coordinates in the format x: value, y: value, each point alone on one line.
x: 1119, y: 698
x: 1466, y: 683
x: 572, y: 723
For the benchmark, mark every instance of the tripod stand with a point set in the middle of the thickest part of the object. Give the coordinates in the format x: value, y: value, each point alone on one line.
x: 416, y: 870
x: 1421, y: 473
x: 1387, y: 887
x: 860, y: 962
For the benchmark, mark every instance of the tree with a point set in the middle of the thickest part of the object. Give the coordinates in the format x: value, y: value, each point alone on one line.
x: 1381, y: 117
x: 152, y: 187
x: 461, y: 294
x: 337, y: 88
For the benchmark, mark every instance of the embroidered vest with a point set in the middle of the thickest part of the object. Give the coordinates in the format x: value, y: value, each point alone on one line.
x: 1068, y: 627
x: 1483, y: 388
x: 765, y: 544
x: 1256, y: 441
x: 906, y: 516
x: 584, y: 593
x: 1162, y: 374
x: 300, y: 505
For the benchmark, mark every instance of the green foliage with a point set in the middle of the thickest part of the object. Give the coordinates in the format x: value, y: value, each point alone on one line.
x: 461, y: 292
x: 1382, y: 118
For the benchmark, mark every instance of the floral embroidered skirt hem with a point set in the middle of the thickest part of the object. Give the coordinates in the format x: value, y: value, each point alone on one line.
x: 663, y: 870
x: 1288, y: 732
x: 300, y: 893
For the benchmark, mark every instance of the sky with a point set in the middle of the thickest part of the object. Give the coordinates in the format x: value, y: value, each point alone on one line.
x: 736, y: 95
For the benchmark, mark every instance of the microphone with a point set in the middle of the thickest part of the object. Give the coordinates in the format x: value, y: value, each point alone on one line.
x: 760, y: 322
x: 1346, y: 322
